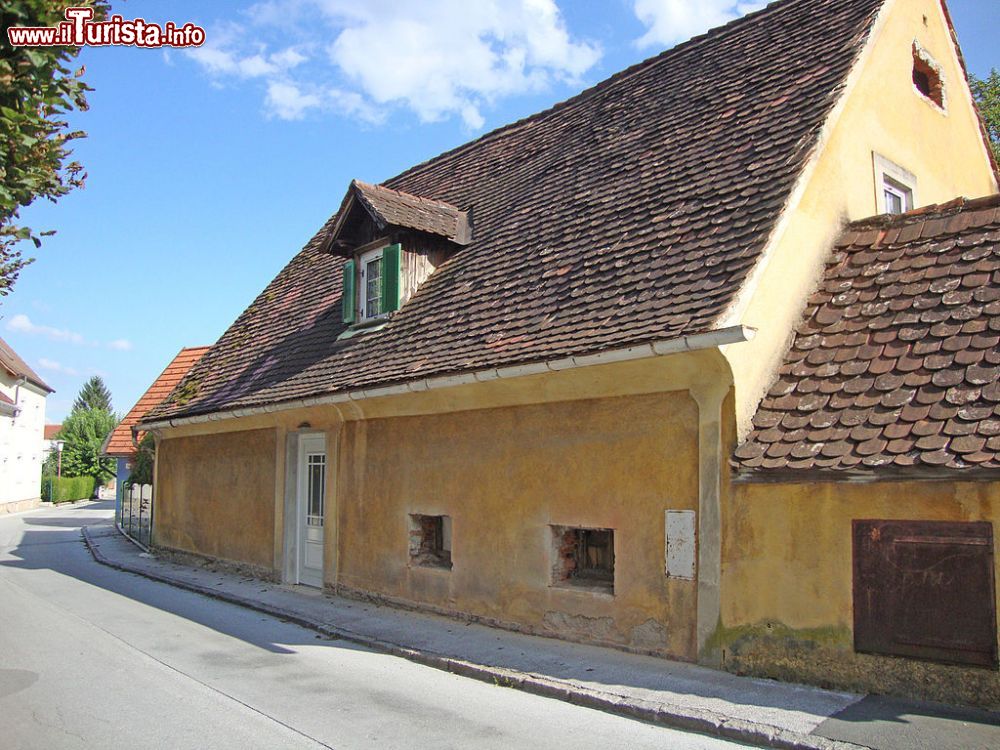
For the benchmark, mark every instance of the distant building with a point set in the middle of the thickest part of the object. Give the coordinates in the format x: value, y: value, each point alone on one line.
x: 120, y: 444
x: 22, y: 436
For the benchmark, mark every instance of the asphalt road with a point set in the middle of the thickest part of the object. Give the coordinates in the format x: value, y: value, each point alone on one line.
x: 94, y: 658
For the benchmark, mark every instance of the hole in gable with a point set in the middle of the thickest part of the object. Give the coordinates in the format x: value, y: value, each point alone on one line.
x: 927, y: 76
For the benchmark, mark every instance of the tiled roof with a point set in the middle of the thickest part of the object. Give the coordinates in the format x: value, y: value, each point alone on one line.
x: 896, y: 365
x: 119, y: 443
x: 5, y: 399
x: 395, y: 208
x: 17, y: 367
x: 633, y: 212
x: 51, y: 430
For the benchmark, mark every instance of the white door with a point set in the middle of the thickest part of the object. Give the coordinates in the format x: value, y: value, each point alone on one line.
x: 311, y: 507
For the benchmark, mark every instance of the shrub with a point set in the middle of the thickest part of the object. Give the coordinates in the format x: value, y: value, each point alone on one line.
x: 67, y: 489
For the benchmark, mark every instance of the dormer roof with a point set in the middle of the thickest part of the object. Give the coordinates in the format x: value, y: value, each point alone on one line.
x: 388, y: 208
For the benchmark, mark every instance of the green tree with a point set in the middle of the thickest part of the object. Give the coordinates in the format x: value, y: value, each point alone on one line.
x: 145, y: 457
x: 987, y: 94
x: 84, y: 431
x: 93, y: 395
x: 37, y: 90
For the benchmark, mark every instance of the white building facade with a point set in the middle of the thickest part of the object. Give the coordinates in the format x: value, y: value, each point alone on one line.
x: 22, y: 432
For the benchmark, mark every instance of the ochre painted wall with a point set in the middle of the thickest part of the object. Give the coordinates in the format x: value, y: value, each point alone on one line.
x: 881, y: 112
x: 215, y: 496
x: 504, y: 476
x: 787, y: 609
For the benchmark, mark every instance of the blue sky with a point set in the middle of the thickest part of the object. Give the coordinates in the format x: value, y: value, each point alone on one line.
x: 209, y: 169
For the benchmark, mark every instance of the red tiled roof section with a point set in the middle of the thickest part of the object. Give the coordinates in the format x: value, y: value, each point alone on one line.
x: 119, y: 443
x: 396, y: 208
x: 630, y: 213
x: 5, y: 399
x: 51, y: 430
x: 12, y: 363
x: 896, y: 366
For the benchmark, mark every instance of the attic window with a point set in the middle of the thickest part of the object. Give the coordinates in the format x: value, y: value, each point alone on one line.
x: 372, y: 283
x: 895, y: 187
x: 927, y: 76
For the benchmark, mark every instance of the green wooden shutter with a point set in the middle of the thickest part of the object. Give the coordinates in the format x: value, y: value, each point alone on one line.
x: 347, y: 295
x: 392, y: 269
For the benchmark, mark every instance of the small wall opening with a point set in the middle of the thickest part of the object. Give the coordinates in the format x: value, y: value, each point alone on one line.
x: 927, y: 77
x: 430, y: 541
x: 584, y: 558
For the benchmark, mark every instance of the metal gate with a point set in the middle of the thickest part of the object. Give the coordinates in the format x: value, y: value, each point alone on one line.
x: 136, y: 520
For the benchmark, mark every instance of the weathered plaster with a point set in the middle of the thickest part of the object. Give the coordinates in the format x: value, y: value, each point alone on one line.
x: 788, y: 584
x: 504, y: 476
x: 215, y: 496
x: 709, y: 396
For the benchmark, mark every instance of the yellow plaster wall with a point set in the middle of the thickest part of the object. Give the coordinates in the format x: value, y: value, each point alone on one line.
x: 787, y: 608
x: 881, y: 112
x: 215, y: 496
x: 503, y: 476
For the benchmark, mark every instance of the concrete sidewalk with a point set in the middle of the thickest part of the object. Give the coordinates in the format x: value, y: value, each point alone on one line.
x: 684, y: 696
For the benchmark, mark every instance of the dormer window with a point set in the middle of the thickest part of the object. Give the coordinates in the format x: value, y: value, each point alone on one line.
x: 372, y: 284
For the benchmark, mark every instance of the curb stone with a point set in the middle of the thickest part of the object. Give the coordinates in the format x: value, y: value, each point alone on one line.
x: 675, y: 717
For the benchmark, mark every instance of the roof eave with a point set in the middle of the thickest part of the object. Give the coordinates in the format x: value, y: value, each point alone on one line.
x: 866, y: 475
x: 695, y: 342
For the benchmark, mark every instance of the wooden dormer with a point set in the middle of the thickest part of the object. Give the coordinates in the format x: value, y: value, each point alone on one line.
x: 392, y: 242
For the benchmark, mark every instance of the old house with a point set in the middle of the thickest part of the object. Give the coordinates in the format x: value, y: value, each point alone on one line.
x: 22, y: 423
x: 121, y: 444
x: 508, y: 383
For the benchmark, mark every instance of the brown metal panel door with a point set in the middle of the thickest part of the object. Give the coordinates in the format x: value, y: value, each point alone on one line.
x: 925, y: 589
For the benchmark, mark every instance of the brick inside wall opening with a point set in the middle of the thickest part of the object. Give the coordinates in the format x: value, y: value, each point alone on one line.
x: 430, y: 541
x: 583, y: 558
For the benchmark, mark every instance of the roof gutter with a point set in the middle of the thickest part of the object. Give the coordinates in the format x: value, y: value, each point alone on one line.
x: 700, y: 341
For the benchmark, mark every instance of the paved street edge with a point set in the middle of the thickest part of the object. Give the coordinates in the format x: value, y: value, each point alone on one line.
x: 675, y: 717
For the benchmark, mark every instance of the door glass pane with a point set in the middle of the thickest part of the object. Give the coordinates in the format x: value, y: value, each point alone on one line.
x: 316, y: 479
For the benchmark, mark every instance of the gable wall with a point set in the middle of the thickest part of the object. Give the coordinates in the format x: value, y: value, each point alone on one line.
x: 882, y: 113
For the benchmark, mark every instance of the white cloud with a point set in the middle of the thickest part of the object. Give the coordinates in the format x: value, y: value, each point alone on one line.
x: 451, y: 56
x: 22, y: 324
x: 671, y: 21
x: 52, y: 366
x: 436, y: 58
x: 289, y: 102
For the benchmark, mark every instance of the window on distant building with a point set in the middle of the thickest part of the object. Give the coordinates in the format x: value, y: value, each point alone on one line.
x: 584, y: 558
x: 430, y: 541
x: 372, y: 284
x: 895, y: 187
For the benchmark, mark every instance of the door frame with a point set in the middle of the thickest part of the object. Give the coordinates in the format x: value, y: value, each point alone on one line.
x: 295, y: 504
